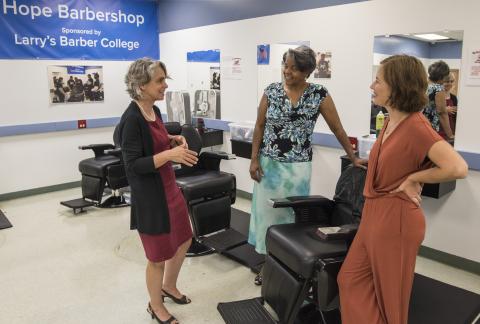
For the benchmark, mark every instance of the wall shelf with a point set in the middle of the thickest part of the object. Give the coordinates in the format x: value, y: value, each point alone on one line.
x: 242, y: 148
x: 211, y: 137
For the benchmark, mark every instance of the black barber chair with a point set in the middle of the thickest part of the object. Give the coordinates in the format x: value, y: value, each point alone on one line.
x: 301, y: 265
x: 101, y: 173
x: 209, y: 193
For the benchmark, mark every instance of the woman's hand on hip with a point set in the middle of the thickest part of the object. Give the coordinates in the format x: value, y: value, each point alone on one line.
x: 412, y: 189
x: 183, y: 155
x: 256, y: 172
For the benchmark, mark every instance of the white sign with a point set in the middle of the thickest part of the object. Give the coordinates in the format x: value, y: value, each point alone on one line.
x: 473, y: 68
x: 232, y: 68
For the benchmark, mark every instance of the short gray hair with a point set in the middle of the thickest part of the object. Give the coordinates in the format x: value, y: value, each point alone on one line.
x: 140, y: 73
x: 304, y: 58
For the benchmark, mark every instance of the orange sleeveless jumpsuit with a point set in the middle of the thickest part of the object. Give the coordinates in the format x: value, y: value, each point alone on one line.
x: 376, y: 278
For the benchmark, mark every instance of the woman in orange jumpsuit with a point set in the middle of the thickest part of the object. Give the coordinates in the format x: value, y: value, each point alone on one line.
x: 376, y: 278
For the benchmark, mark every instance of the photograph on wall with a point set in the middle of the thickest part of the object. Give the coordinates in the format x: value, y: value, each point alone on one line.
x: 215, y: 77
x: 75, y: 83
x: 323, y: 69
x: 263, y: 54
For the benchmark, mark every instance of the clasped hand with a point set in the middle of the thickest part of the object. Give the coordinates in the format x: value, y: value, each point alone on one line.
x: 181, y: 154
x: 412, y: 189
x: 178, y: 140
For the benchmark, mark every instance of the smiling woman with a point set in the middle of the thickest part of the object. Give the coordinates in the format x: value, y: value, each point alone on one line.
x: 159, y: 211
x: 281, y: 161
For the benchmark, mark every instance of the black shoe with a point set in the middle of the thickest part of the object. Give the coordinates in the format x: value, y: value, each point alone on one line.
x: 258, y: 280
x: 182, y: 300
x: 154, y: 316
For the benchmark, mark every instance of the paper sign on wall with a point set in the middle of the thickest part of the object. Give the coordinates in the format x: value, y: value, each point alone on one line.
x: 473, y: 68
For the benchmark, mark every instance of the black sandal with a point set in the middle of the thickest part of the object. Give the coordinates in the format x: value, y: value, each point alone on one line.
x: 182, y: 300
x: 154, y: 316
x: 258, y: 280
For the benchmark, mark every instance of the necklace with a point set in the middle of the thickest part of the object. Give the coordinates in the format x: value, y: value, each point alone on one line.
x: 144, y: 113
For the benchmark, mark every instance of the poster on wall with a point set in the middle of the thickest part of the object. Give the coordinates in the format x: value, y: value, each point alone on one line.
x: 215, y: 77
x: 263, y: 54
x: 473, y: 69
x: 323, y: 69
x: 75, y: 83
x: 232, y: 68
x: 78, y: 29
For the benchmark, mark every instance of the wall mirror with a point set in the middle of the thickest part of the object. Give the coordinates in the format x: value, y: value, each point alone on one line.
x: 429, y: 47
x: 201, y: 99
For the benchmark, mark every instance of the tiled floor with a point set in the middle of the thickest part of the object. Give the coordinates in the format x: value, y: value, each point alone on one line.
x: 56, y: 267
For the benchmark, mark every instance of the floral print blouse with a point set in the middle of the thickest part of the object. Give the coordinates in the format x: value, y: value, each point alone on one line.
x: 288, y: 129
x: 430, y: 110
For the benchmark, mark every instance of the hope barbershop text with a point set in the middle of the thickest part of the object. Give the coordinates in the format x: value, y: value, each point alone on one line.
x: 65, y: 12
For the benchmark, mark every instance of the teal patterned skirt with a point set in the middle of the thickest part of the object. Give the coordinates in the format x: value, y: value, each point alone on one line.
x: 280, y: 180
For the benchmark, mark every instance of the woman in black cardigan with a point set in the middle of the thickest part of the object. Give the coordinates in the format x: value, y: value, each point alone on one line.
x: 158, y: 211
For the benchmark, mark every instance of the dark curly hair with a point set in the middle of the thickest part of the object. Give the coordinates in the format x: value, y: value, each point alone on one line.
x: 438, y: 71
x: 408, y: 82
x: 304, y: 58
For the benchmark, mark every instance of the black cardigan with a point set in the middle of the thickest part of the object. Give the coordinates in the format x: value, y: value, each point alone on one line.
x: 149, y: 210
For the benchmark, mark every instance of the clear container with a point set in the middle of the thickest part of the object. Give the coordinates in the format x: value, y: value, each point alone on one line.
x: 242, y: 131
x: 365, y: 144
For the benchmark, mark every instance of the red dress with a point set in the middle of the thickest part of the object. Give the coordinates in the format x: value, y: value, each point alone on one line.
x: 163, y: 247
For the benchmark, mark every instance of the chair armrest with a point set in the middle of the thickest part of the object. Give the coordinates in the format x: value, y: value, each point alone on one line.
x: 210, y: 160
x: 98, y: 149
x: 343, y: 232
x: 307, y: 209
x: 300, y: 202
x: 219, y: 155
x: 115, y: 152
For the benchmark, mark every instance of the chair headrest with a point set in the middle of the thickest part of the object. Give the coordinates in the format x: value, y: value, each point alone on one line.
x: 173, y: 128
x: 116, y: 136
x: 349, y: 189
x: 193, y: 138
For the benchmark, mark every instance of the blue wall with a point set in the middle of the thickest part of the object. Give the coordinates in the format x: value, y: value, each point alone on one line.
x: 181, y: 14
x: 402, y: 45
x: 450, y: 50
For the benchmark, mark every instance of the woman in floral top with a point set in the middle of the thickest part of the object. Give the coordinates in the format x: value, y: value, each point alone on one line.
x: 436, y: 109
x: 281, y: 149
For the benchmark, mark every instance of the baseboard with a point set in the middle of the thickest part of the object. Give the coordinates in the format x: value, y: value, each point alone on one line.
x: 450, y: 259
x: 37, y: 191
x: 244, y: 194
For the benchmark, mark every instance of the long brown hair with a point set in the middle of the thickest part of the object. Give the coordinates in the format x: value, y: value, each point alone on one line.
x: 407, y: 80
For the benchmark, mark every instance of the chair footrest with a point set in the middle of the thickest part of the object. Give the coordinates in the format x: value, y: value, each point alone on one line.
x: 249, y: 311
x: 76, y: 204
x: 224, y: 240
x: 246, y: 255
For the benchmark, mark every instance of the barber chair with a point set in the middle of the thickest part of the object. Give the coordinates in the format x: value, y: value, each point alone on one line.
x: 101, y: 173
x: 209, y: 193
x: 300, y: 265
